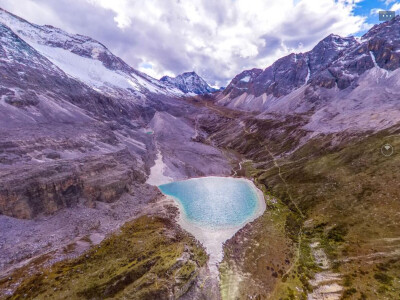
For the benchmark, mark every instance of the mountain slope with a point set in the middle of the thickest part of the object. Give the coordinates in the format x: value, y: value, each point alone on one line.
x: 85, y: 59
x: 339, y: 80
x: 34, y: 90
x: 50, y: 123
x: 290, y: 72
x: 189, y: 82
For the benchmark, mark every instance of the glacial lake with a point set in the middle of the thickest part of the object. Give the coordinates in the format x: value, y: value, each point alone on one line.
x: 214, y: 201
x: 213, y: 209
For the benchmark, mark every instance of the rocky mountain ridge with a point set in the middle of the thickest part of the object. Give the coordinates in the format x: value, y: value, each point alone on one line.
x: 290, y: 72
x: 326, y: 84
x: 86, y: 60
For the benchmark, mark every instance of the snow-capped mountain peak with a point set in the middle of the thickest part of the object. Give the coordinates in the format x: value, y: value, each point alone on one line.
x: 86, y: 59
x: 189, y: 82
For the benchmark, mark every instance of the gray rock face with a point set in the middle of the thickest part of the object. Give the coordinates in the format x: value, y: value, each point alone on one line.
x: 383, y: 41
x: 242, y: 81
x: 31, y: 189
x: 327, y: 51
x: 290, y: 72
x: 335, y: 61
x: 376, y: 48
x: 189, y: 82
x: 285, y: 75
x: 341, y: 84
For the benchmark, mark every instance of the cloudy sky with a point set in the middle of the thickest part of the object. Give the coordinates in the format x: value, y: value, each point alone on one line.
x: 216, y: 38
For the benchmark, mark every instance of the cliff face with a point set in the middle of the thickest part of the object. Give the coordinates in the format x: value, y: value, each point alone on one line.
x: 48, y: 188
x: 290, y: 72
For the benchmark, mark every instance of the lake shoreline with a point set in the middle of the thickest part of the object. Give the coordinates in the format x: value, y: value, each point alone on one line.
x: 213, y: 239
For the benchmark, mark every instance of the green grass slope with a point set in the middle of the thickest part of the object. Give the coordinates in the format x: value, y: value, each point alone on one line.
x: 336, y: 190
x: 150, y: 258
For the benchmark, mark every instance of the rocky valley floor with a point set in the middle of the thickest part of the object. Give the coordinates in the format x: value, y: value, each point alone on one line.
x: 327, y: 230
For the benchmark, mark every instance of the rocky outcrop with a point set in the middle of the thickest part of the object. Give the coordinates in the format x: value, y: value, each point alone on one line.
x: 241, y: 81
x: 33, y: 189
x: 383, y: 41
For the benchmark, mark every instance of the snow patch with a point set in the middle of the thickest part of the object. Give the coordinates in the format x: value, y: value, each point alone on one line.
x: 157, y: 171
x: 386, y: 72
x: 245, y: 79
x: 373, y: 59
x: 90, y: 71
x: 308, y: 75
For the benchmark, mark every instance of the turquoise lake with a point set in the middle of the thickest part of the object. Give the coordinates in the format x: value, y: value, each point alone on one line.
x: 214, y: 201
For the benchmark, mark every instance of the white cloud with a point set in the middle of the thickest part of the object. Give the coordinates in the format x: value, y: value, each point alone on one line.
x: 230, y: 35
x: 217, y: 39
x: 375, y: 11
x: 39, y: 14
x: 395, y: 7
